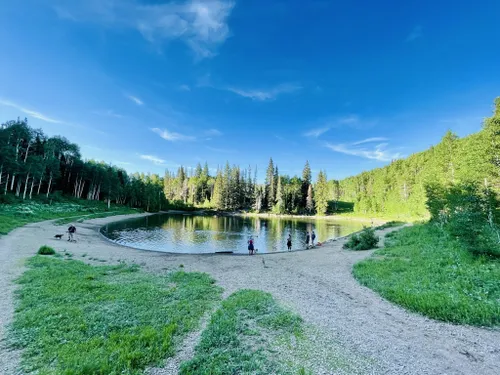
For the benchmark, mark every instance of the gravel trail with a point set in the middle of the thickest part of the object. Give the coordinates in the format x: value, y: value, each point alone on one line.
x: 316, y: 283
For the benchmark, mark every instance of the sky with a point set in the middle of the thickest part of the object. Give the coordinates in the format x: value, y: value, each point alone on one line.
x: 150, y: 85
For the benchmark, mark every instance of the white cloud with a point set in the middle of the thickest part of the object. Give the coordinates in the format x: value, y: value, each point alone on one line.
x: 415, y: 34
x: 30, y: 112
x: 351, y: 120
x: 213, y: 133
x: 135, y: 99
x: 172, y: 136
x: 184, y: 88
x: 378, y: 152
x: 153, y: 159
x: 370, y: 140
x: 201, y: 24
x: 268, y: 94
x: 317, y: 132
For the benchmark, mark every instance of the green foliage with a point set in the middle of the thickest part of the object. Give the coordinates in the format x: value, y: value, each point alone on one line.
x: 73, y: 318
x: 46, y: 250
x: 240, y: 335
x: 468, y: 212
x: 399, y: 189
x: 321, y: 193
x: 365, y: 240
x: 429, y: 272
x: 390, y: 224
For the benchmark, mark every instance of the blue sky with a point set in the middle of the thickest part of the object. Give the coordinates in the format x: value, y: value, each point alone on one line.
x: 150, y: 85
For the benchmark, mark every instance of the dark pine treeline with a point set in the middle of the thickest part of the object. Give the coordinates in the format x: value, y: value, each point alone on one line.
x: 33, y: 165
x: 401, y: 187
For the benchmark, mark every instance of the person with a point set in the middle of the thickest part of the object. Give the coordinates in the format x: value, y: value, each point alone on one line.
x: 307, y: 240
x: 289, y: 242
x: 313, y: 237
x: 71, y: 233
x: 251, y: 247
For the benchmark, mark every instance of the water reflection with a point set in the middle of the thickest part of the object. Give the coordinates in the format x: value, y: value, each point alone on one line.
x: 210, y: 234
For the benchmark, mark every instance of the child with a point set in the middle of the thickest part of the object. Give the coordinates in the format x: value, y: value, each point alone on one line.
x: 289, y: 242
x: 251, y: 248
x: 307, y: 240
x: 313, y: 237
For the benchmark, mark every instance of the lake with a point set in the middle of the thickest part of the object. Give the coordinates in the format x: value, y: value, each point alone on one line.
x: 192, y: 234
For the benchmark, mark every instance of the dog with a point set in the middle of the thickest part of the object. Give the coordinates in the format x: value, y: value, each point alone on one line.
x: 58, y: 236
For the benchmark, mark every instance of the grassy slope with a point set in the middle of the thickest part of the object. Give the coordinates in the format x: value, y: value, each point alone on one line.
x: 73, y: 318
x: 18, y: 214
x: 428, y: 272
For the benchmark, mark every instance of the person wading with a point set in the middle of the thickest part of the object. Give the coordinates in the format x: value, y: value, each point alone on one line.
x: 289, y: 242
x: 251, y: 247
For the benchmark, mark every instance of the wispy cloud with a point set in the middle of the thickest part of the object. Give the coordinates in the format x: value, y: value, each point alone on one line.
x: 213, y: 133
x: 153, y: 159
x: 378, y: 151
x: 350, y: 120
x: 172, y: 136
x: 184, y: 88
x: 108, y: 113
x: 29, y: 112
x: 200, y: 24
x: 266, y: 94
x: 415, y: 34
x: 135, y: 99
x: 370, y: 140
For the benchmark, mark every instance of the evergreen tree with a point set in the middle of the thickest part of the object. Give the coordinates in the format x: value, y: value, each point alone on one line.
x: 218, y: 197
x: 270, y: 192
x: 309, y: 200
x: 280, y: 199
x: 321, y: 194
x: 306, y: 181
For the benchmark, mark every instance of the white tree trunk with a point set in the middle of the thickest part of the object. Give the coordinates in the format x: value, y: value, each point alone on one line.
x: 6, y: 184
x: 12, y: 182
x: 26, y: 186
x: 48, y: 187
x: 31, y: 189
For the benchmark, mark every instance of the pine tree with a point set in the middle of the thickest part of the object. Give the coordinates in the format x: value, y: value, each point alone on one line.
x: 321, y: 194
x: 306, y: 181
x: 217, y: 197
x: 280, y: 199
x: 270, y: 192
x: 309, y: 200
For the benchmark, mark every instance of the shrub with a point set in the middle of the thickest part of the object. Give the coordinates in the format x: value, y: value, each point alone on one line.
x: 365, y: 240
x: 46, y: 250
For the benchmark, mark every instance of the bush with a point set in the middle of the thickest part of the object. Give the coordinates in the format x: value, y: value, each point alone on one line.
x: 365, y: 240
x: 46, y: 250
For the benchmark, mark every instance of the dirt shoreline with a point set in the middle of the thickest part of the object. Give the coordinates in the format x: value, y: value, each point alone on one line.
x: 317, y: 284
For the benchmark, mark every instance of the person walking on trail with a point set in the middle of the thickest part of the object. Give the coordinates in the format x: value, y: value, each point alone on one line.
x: 289, y: 242
x: 71, y: 233
x: 307, y: 240
x: 251, y: 248
x: 313, y: 237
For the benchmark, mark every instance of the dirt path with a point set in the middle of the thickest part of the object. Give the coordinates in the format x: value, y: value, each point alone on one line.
x: 318, y: 284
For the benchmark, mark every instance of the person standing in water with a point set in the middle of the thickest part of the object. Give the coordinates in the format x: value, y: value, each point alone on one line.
x: 251, y: 247
x: 307, y: 240
x: 313, y: 237
x: 289, y: 242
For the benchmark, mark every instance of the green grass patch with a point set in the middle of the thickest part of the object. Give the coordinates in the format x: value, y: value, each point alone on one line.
x: 427, y: 271
x: 46, y: 250
x: 390, y: 224
x: 240, y: 336
x: 73, y: 318
x: 21, y: 213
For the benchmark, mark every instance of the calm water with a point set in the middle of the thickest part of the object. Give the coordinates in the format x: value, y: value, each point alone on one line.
x: 207, y: 234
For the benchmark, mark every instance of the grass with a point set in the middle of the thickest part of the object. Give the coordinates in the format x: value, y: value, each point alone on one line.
x: 46, y: 250
x: 390, y: 224
x: 365, y: 240
x: 73, y: 318
x: 427, y: 271
x: 21, y: 213
x: 239, y: 338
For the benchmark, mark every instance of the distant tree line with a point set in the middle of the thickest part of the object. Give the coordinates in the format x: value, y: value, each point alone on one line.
x: 35, y: 165
x: 32, y: 164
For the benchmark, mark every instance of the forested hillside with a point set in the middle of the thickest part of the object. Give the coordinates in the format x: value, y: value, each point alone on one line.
x: 400, y: 188
x: 32, y: 164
